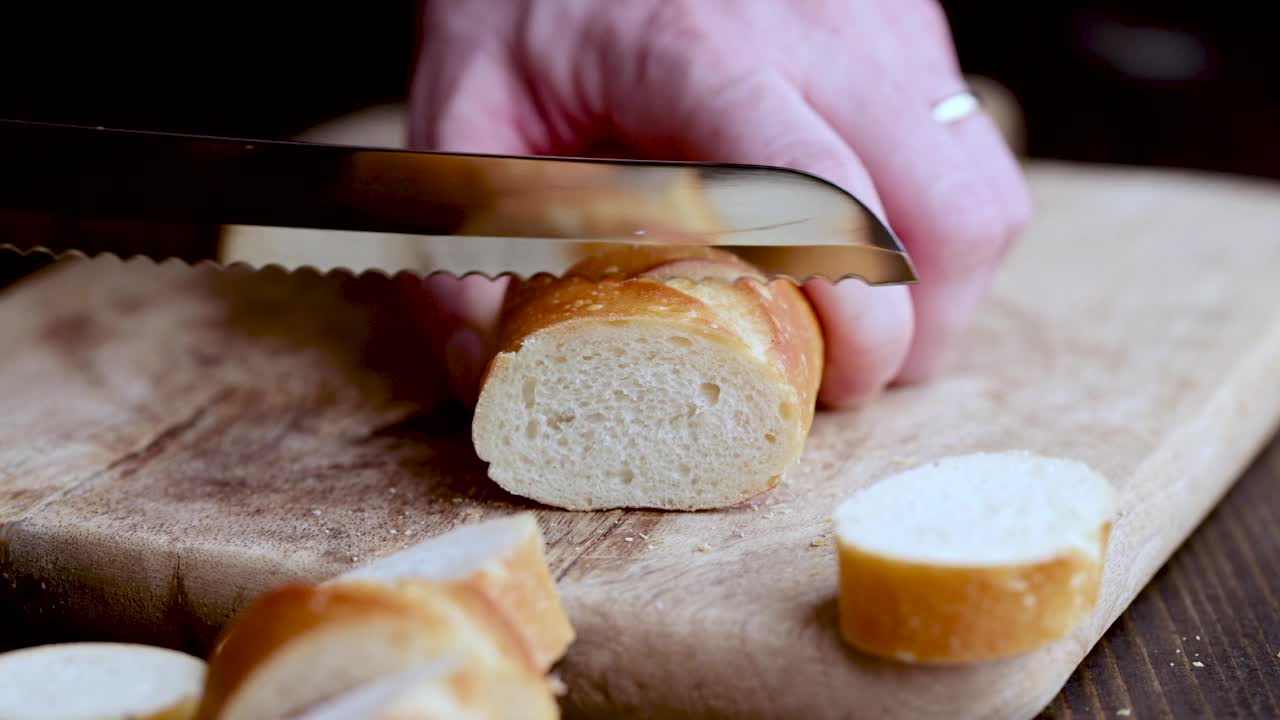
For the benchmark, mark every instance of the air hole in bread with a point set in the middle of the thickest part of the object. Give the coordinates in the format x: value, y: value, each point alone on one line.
x: 556, y: 423
x: 786, y: 411
x: 626, y: 475
x: 680, y: 340
x: 531, y: 430
x: 770, y: 438
x: 711, y: 393
x: 529, y: 392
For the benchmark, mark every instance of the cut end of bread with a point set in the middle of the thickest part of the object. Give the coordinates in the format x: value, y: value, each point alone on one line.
x: 99, y: 680
x: 973, y: 557
x: 638, y: 388
x: 596, y: 414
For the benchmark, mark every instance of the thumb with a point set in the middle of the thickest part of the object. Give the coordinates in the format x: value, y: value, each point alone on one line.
x: 766, y: 120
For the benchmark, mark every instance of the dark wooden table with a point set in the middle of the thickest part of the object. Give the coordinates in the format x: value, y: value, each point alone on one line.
x: 1203, y: 638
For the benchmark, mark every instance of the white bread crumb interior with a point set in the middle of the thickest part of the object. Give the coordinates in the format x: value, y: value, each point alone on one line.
x: 98, y: 680
x: 635, y: 413
x: 981, y: 509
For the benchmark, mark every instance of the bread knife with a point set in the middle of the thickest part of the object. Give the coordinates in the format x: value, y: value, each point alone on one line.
x: 457, y: 213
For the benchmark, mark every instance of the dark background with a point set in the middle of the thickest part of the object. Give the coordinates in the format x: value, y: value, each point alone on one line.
x: 1133, y: 82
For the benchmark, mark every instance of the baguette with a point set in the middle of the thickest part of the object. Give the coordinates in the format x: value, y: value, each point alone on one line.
x: 300, y: 645
x: 503, y: 558
x: 99, y: 681
x: 971, y: 558
x: 624, y: 385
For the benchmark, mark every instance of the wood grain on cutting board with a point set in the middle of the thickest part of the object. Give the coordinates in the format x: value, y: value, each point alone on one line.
x: 175, y: 441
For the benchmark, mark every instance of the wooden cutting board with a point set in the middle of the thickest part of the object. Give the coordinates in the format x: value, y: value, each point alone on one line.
x: 174, y: 441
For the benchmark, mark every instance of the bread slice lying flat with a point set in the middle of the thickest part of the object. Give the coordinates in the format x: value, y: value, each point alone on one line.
x: 971, y: 558
x: 300, y: 645
x: 629, y: 387
x: 99, y: 681
x: 503, y: 558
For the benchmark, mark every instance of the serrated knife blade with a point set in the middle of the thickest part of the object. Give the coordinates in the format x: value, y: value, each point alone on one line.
x: 436, y: 212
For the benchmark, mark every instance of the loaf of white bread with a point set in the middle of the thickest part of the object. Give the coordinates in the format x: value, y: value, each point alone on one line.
x: 99, y: 681
x: 465, y: 625
x: 671, y: 377
x: 972, y: 558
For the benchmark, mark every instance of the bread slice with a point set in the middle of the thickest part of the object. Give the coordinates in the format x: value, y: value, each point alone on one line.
x: 505, y: 559
x: 626, y: 386
x: 973, y: 557
x: 99, y: 681
x: 299, y: 645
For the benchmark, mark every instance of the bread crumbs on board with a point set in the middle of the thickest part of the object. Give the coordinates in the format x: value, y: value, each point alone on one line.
x: 1123, y: 712
x: 1197, y: 663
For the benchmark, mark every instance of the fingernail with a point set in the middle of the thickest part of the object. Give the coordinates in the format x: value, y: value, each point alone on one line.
x: 463, y: 354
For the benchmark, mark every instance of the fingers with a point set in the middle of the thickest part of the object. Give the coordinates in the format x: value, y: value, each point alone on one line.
x: 463, y: 102
x: 867, y: 329
x: 952, y: 192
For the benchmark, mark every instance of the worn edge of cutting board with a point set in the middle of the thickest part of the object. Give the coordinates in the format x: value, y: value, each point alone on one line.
x: 628, y: 645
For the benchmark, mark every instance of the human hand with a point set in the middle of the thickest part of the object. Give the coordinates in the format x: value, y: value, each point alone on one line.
x: 841, y: 89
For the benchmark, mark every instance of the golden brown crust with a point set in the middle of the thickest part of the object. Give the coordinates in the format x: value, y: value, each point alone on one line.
x: 937, y: 614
